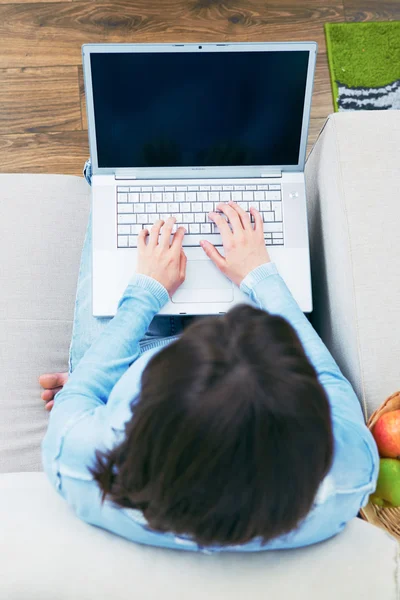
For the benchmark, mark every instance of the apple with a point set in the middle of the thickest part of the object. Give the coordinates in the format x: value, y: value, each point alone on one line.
x: 387, y: 491
x: 387, y: 434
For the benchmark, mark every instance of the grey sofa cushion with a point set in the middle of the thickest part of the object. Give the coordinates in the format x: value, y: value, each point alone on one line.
x: 42, y: 225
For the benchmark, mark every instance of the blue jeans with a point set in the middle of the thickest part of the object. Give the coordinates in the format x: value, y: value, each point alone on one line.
x: 86, y: 327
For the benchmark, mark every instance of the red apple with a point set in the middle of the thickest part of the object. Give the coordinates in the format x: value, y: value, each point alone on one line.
x: 387, y: 434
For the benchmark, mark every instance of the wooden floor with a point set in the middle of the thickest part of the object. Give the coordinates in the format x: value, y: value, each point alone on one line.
x: 43, y: 126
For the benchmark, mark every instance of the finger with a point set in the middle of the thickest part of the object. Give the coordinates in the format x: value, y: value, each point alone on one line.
x: 258, y: 222
x: 244, y: 216
x: 141, y: 243
x: 182, y: 270
x: 178, y: 239
x: 232, y: 216
x: 166, y: 232
x: 213, y: 254
x: 49, y: 405
x: 155, y: 232
x: 222, y: 225
x: 49, y: 394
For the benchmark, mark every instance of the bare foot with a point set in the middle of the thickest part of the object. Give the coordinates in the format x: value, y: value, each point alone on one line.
x: 52, y: 383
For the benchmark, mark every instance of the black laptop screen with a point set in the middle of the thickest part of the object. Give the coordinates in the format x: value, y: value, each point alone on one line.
x: 199, y: 108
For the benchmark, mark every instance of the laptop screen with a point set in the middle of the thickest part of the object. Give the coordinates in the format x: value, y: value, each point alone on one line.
x: 188, y: 109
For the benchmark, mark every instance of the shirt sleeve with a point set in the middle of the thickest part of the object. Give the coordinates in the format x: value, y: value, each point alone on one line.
x: 117, y: 347
x: 267, y: 289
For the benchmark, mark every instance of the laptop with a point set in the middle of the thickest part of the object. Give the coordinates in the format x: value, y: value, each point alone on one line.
x: 175, y: 129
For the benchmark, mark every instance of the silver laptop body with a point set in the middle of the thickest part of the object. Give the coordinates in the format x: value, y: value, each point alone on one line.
x: 178, y: 128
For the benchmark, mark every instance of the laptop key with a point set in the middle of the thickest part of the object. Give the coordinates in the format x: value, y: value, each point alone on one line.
x: 194, y: 240
x: 127, y: 219
x: 272, y: 227
x: 272, y: 195
x: 124, y: 229
x: 122, y: 241
x: 133, y: 241
x: 225, y: 196
x: 268, y: 217
x: 213, y: 196
x: 277, y: 207
x: 125, y: 208
x: 274, y: 186
x: 122, y: 197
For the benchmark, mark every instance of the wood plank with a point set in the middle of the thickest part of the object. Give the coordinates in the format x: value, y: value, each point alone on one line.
x: 82, y: 98
x: 39, y: 99
x: 313, y: 132
x: 322, y: 104
x: 30, y: 1
x: 63, y: 152
x: 372, y: 10
x: 66, y: 152
x: 40, y: 34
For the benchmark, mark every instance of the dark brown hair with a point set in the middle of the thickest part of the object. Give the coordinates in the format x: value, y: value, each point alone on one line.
x: 231, y: 435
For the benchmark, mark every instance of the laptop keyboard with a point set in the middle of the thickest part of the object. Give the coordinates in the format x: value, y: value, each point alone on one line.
x: 139, y: 206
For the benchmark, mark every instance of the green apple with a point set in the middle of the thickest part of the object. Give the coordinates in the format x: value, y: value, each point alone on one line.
x: 387, y: 491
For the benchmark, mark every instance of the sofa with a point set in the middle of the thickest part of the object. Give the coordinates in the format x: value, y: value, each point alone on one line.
x: 46, y: 553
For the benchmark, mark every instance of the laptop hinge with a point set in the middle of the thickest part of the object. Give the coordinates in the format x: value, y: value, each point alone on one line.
x: 220, y: 174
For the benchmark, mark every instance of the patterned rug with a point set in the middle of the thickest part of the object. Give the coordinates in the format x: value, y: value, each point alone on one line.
x: 364, y: 64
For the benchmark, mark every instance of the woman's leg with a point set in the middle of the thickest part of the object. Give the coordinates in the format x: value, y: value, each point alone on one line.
x: 86, y: 327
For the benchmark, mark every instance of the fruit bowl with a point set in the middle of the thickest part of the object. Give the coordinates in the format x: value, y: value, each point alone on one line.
x: 386, y: 518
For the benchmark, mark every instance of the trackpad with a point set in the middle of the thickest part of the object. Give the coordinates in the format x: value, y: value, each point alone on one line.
x: 203, y: 283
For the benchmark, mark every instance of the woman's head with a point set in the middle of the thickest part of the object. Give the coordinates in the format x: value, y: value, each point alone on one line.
x: 231, y: 435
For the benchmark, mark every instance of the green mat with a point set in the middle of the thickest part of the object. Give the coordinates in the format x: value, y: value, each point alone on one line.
x: 364, y: 63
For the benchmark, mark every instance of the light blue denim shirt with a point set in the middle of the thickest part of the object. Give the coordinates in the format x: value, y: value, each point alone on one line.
x: 91, y: 410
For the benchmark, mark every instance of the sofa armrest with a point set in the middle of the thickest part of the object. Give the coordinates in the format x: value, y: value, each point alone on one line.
x: 42, y: 226
x: 353, y: 181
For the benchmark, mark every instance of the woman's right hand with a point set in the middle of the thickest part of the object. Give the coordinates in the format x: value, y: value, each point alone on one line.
x: 244, y: 245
